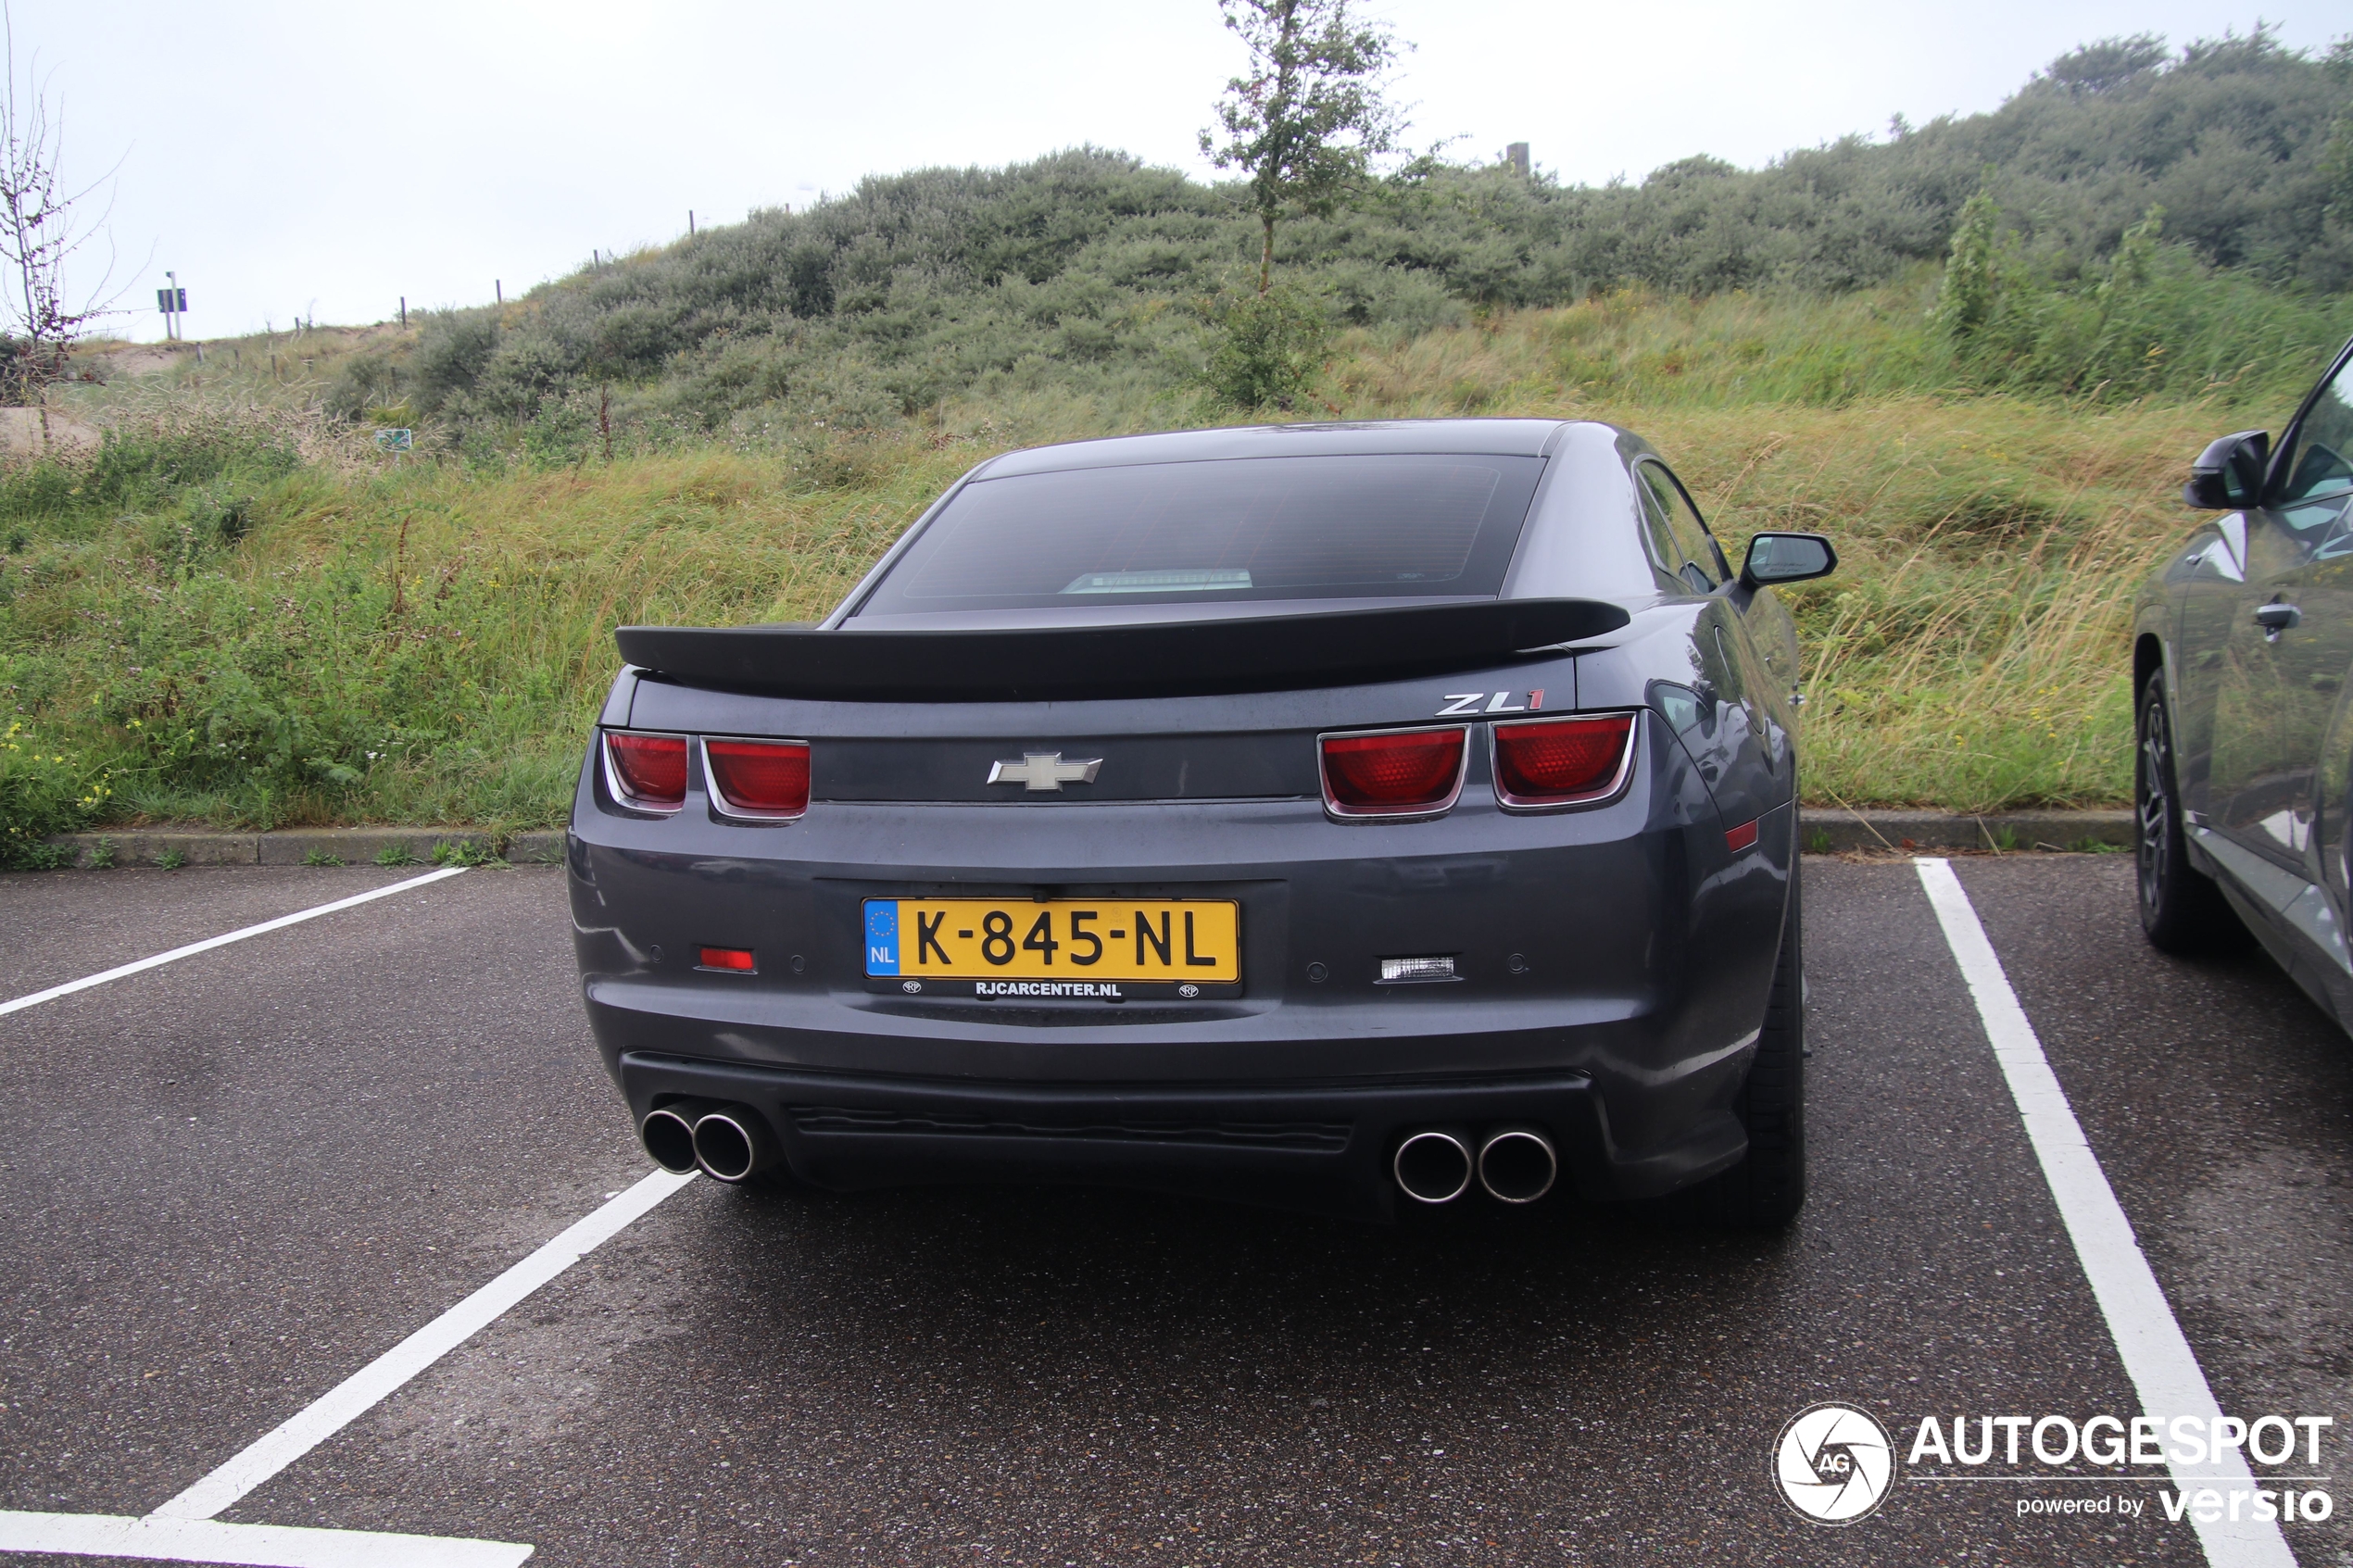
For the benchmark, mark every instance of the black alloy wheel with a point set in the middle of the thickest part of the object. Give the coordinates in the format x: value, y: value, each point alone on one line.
x: 1768, y: 1187
x: 2181, y: 910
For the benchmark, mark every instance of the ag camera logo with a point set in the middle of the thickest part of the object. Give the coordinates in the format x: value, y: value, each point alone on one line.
x: 1834, y: 1463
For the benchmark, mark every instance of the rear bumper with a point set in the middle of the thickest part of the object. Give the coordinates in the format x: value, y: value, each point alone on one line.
x: 1611, y: 968
x: 1324, y: 1147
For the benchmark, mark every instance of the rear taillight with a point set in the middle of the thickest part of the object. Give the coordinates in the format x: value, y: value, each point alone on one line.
x: 1563, y: 762
x: 647, y: 771
x: 1394, y: 773
x: 767, y: 779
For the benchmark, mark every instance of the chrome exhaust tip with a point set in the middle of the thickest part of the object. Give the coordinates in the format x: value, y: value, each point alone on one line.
x: 668, y: 1132
x: 732, y: 1144
x: 1518, y: 1165
x: 1433, y: 1165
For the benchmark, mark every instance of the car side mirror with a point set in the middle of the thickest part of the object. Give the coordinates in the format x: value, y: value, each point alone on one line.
x: 1787, y: 558
x: 2229, y: 473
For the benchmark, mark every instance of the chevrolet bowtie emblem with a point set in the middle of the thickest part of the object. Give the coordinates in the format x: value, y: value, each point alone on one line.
x: 1044, y: 770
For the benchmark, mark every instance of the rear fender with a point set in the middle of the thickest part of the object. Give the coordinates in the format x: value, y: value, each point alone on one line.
x: 1683, y: 650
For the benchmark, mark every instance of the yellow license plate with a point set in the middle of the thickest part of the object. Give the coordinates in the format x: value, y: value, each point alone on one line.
x: 1124, y: 939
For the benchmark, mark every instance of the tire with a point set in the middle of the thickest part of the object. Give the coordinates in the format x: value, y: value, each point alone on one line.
x: 1768, y: 1187
x: 2181, y: 911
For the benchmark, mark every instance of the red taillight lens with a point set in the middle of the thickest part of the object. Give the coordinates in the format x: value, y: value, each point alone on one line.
x: 1393, y: 775
x: 735, y: 960
x: 759, y: 778
x: 649, y: 771
x: 1560, y: 762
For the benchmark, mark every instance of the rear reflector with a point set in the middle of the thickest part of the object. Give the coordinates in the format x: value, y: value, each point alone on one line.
x: 735, y: 959
x: 759, y: 778
x: 1397, y: 773
x: 1563, y: 762
x: 647, y: 771
x: 1740, y: 837
x: 1416, y: 969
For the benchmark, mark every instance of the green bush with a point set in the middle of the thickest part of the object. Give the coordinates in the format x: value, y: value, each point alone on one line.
x: 2153, y: 319
x: 1264, y: 350
x: 136, y: 471
x: 44, y: 790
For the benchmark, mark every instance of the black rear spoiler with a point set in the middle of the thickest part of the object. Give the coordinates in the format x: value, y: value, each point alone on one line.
x: 1152, y: 659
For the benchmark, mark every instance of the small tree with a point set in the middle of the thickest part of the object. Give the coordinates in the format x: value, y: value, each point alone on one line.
x: 2136, y: 261
x: 1309, y: 119
x: 39, y: 233
x: 1971, y: 289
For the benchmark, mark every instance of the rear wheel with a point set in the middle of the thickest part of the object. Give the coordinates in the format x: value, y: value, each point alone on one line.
x: 2181, y: 910
x: 1768, y: 1187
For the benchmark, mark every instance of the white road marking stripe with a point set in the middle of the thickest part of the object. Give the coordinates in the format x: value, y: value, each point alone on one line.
x: 2096, y: 1480
x: 209, y: 943
x: 2155, y: 1355
x: 333, y: 1411
x: 263, y: 1546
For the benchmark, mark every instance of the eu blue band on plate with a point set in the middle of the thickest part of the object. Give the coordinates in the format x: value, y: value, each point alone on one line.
x: 882, y: 937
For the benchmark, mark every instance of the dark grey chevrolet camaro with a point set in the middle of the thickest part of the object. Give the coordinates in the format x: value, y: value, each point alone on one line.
x: 1304, y: 815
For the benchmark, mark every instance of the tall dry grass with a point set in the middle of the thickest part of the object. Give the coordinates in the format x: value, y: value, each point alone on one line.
x: 1971, y: 652
x: 407, y: 642
x: 361, y: 638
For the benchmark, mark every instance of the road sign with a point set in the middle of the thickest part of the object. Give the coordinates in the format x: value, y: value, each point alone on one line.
x: 397, y: 440
x: 172, y: 301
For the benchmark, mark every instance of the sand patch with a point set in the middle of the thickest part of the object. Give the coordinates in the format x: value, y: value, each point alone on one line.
x: 21, y: 438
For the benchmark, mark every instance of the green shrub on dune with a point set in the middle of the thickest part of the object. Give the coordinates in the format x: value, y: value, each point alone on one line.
x: 1088, y: 272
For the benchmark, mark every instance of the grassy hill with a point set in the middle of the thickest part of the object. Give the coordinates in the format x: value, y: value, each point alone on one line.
x: 240, y: 610
x: 1086, y: 271
x: 261, y: 619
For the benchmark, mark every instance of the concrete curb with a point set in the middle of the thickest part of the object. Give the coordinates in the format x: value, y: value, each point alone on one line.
x: 297, y: 846
x: 1821, y: 831
x: 1832, y: 830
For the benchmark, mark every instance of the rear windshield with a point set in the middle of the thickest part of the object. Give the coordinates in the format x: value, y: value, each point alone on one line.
x: 1254, y: 528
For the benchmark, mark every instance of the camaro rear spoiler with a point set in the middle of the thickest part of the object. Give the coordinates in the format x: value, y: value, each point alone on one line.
x: 1153, y: 658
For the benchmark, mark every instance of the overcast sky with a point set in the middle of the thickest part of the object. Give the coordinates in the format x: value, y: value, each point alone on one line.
x: 296, y: 157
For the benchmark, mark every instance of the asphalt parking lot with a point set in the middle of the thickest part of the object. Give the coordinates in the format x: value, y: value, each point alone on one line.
x: 236, y: 1179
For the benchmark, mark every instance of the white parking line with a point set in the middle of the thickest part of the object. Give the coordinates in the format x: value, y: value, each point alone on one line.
x: 2156, y: 1355
x: 209, y: 943
x: 348, y: 1400
x: 257, y: 1546
x: 184, y: 1530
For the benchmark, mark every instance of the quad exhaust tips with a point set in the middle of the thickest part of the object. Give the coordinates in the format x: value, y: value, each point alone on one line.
x: 1516, y: 1164
x: 727, y: 1143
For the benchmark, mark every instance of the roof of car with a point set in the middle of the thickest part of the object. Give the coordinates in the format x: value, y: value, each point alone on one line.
x: 1525, y: 438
